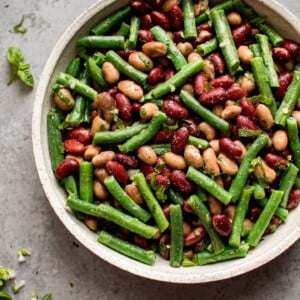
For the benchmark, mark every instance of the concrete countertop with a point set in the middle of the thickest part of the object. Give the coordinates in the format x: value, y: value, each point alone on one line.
x: 58, y: 265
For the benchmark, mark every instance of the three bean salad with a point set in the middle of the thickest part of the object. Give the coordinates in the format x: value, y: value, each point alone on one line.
x: 174, y: 130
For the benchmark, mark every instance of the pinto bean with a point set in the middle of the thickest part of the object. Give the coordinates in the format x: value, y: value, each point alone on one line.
x: 231, y: 112
x: 133, y: 192
x: 208, y: 130
x: 280, y: 140
x: 154, y: 49
x: 140, y: 61
x: 147, y: 155
x: 91, y: 151
x: 110, y: 72
x: 264, y: 116
x: 148, y: 110
x: 193, y: 156
x: 130, y: 89
x: 227, y: 165
x: 174, y: 161
x: 210, y: 162
x: 263, y: 172
x: 101, y: 159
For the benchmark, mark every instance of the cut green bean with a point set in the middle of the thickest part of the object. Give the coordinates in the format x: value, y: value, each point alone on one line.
x: 208, y: 47
x: 101, y: 42
x: 99, y: 58
x: 175, y: 197
x: 241, y: 177
x: 74, y: 67
x: 86, y: 192
x: 259, y: 192
x: 124, y: 30
x: 125, y: 201
x: 176, y: 239
x: 71, y: 186
x: 161, y: 149
x: 173, y: 53
x: 75, y: 117
x: 111, y: 21
x: 151, y: 202
x: 287, y: 181
x: 225, y: 40
x: 119, y: 135
x: 198, y: 142
x: 266, y: 52
x: 289, y: 101
x: 239, y: 217
x: 209, y: 185
x: 126, y: 68
x: 79, y: 87
x: 293, y: 136
x: 194, y: 105
x: 261, y: 79
x: 264, y: 218
x: 189, y: 22
x: 205, y: 257
x: 126, y: 248
x: 134, y: 32
x: 255, y: 50
x: 297, y: 182
x: 145, y: 135
x: 114, y: 215
x: 205, y: 217
x: 97, y: 74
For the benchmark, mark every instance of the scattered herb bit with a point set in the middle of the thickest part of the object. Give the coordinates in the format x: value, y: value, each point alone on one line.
x: 71, y: 284
x: 47, y: 297
x: 22, y: 253
x: 243, y: 132
x: 18, y: 27
x: 5, y: 275
x: 5, y: 296
x: 34, y: 296
x: 75, y: 244
x: 19, y: 67
x: 17, y: 286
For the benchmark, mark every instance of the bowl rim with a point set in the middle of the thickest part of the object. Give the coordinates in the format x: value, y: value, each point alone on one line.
x: 110, y: 256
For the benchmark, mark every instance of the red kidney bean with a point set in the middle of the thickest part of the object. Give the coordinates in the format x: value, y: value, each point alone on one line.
x: 176, y: 17
x: 229, y: 148
x: 125, y: 53
x: 213, y: 96
x: 169, y: 72
x: 174, y: 97
x: 224, y: 82
x: 142, y: 242
x: 248, y: 108
x: 94, y: 114
x: 286, y: 152
x: 163, y: 136
x: 191, y: 125
x: 166, y: 210
x: 200, y: 81
x: 127, y: 161
x: 202, y: 37
x: 187, y: 208
x: 140, y: 7
x: 164, y: 246
x: 241, y: 33
x: 156, y: 75
x: 245, y: 122
x: 146, y: 22
x: 162, y: 180
x: 281, y: 55
x: 178, y: 36
x: 204, y: 26
x: 81, y: 134
x: 147, y: 169
x: 195, y: 236
x: 222, y: 224
x: 117, y: 170
x: 161, y: 19
x: 180, y: 140
x: 275, y: 161
x: 145, y: 36
x: 180, y: 183
x: 165, y: 171
x: 200, y: 246
x: 124, y: 107
x: 227, y: 180
x: 285, y: 78
x: 274, y: 223
x: 67, y: 167
x: 236, y: 92
x: 294, y: 199
x: 292, y: 47
x: 174, y: 109
x: 74, y: 147
x: 136, y: 107
x: 218, y: 62
x: 254, y: 213
x: 113, y: 91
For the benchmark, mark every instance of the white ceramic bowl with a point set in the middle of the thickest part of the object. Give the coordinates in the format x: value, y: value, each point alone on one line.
x: 271, y: 247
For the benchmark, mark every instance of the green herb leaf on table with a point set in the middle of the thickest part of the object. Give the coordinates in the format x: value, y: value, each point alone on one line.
x: 18, y: 27
x: 47, y: 297
x: 5, y: 296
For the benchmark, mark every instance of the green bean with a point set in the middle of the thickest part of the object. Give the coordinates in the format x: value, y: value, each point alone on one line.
x: 201, y: 193
x: 113, y: 215
x: 293, y: 136
x: 239, y: 217
x: 75, y: 117
x: 289, y: 100
x: 124, y: 30
x: 79, y: 87
x: 208, y: 47
x: 99, y: 58
x: 241, y: 177
x: 87, y: 114
x: 74, y: 67
x: 101, y: 42
x: 194, y: 105
x: 173, y: 53
x: 225, y: 40
x: 161, y: 149
x: 175, y: 197
x: 151, y: 202
x: 205, y: 257
x: 56, y: 148
x: 86, y: 192
x: 261, y: 79
x: 119, y: 135
x: 71, y: 186
x: 189, y: 22
x: 198, y: 142
x: 145, y: 135
x: 205, y: 217
x: 287, y: 181
x: 126, y: 68
x: 209, y: 185
x: 255, y: 50
x: 259, y: 191
x: 297, y: 182
x: 176, y: 239
x: 97, y: 74
x: 266, y: 52
x: 125, y: 201
x: 126, y: 248
x: 264, y: 218
x: 134, y: 32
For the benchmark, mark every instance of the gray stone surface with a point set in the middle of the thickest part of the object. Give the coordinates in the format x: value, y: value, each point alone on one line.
x: 26, y: 219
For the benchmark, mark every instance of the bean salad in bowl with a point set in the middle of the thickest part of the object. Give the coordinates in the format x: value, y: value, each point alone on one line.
x: 174, y: 131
